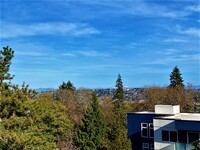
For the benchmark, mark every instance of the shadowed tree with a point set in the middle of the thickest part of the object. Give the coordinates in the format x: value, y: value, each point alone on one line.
x: 67, y: 86
x: 175, y: 78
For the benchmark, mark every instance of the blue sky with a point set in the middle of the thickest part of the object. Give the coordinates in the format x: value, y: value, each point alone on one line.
x: 90, y: 42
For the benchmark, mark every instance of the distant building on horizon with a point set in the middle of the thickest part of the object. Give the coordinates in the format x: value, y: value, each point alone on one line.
x: 164, y: 129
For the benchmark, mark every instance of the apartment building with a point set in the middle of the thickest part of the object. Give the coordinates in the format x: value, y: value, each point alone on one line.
x: 164, y: 129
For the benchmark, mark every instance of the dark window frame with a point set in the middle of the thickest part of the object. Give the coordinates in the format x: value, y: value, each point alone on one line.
x: 151, y: 128
x: 168, y: 137
x: 144, y: 128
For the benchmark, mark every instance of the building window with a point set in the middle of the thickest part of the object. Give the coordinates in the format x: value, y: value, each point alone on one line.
x: 151, y: 146
x: 193, y: 136
x: 173, y: 136
x: 165, y: 135
x: 169, y: 136
x: 145, y: 146
x: 151, y: 132
x: 144, y: 130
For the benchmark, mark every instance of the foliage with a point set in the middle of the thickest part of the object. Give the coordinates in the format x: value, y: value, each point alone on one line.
x: 196, y: 145
x: 30, y: 124
x: 67, y: 86
x: 168, y: 96
x: 14, y: 101
x: 197, y: 101
x: 6, y: 56
x: 91, y: 134
x: 76, y: 103
x: 175, y: 78
x: 117, y: 131
x: 118, y: 97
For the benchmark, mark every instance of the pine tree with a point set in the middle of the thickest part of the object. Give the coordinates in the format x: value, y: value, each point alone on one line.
x: 118, y: 130
x: 6, y: 56
x: 67, y: 86
x: 91, y: 134
x: 175, y: 78
x: 118, y: 97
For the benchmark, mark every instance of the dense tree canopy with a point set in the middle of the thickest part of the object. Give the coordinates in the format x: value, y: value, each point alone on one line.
x: 91, y: 134
x: 28, y: 124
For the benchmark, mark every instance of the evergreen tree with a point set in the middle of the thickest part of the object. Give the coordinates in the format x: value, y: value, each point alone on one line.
x: 6, y: 56
x: 118, y: 131
x: 118, y: 97
x: 91, y: 134
x: 67, y: 86
x: 26, y: 124
x: 175, y: 78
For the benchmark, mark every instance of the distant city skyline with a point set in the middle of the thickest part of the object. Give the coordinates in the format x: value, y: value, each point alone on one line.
x: 91, y: 42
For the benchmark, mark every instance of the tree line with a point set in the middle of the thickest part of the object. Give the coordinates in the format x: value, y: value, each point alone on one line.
x: 76, y: 119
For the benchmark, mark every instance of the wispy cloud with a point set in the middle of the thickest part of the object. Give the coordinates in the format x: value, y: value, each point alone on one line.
x: 70, y: 54
x: 138, y: 8
x: 87, y: 53
x: 93, y: 53
x: 188, y: 31
x: 195, y: 8
x: 183, y: 58
x: 12, y: 30
x: 32, y: 54
x: 175, y: 40
x: 171, y: 51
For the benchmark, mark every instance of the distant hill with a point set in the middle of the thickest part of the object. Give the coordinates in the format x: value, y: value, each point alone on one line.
x: 129, y: 93
x: 44, y: 89
x: 196, y: 86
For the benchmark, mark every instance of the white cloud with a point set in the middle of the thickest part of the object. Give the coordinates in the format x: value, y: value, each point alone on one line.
x: 93, y: 53
x: 137, y: 8
x: 175, y: 40
x: 195, y: 8
x: 33, y: 54
x: 87, y: 53
x: 183, y: 58
x: 189, y: 31
x: 9, y: 30
x: 70, y: 54
x: 171, y: 51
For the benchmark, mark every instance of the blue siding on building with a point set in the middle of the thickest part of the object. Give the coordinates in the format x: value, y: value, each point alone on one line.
x: 187, y: 125
x: 134, y: 129
x: 135, y: 120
